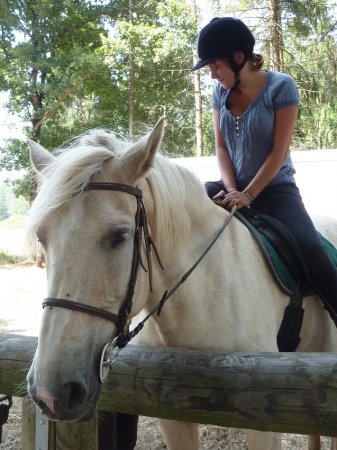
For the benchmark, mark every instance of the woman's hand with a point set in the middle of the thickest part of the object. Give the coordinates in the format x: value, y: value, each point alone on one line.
x: 240, y: 199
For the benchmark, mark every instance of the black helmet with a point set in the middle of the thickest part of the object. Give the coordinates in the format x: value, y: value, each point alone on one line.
x: 220, y: 38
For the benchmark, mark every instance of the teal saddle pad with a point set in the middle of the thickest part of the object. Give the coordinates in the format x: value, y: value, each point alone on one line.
x: 274, y: 250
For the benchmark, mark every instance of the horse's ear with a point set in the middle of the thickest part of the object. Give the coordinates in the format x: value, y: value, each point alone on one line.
x: 139, y: 159
x: 39, y: 156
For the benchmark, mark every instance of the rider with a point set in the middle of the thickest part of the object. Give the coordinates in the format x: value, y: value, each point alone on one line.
x: 254, y: 115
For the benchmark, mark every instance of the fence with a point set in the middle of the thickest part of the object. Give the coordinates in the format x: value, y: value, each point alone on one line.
x: 291, y: 393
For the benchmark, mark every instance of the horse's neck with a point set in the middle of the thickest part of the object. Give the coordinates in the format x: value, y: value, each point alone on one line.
x: 212, y: 307
x: 205, y: 287
x: 195, y: 295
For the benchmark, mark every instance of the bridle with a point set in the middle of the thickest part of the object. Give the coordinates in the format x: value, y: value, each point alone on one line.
x: 121, y: 320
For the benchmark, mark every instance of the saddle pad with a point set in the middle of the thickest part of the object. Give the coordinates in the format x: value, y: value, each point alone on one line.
x: 278, y: 268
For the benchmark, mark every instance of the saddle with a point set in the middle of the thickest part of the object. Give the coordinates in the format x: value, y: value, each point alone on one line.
x: 288, y: 268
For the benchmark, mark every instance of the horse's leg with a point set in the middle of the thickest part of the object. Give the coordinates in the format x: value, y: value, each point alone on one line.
x: 314, y: 442
x: 179, y: 435
x: 333, y: 443
x: 258, y: 440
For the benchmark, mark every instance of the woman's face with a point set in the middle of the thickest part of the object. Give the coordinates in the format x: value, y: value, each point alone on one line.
x: 221, y: 71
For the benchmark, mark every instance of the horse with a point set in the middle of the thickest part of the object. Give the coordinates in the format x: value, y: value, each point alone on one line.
x: 91, y: 203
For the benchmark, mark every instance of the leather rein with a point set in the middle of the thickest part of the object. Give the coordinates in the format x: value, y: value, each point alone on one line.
x: 121, y: 320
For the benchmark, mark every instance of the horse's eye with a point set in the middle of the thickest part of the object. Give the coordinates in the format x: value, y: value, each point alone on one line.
x: 117, y: 237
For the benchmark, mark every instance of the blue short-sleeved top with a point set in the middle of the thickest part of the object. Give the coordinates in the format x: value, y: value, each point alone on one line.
x: 249, y: 137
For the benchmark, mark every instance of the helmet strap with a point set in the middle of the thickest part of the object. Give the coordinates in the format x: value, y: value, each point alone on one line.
x: 236, y: 68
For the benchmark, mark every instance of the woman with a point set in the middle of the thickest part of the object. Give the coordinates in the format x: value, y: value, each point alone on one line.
x: 254, y: 114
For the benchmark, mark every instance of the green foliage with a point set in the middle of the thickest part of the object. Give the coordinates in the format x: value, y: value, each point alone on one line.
x: 4, y: 204
x: 68, y: 67
x: 11, y: 205
x: 310, y: 55
x: 69, y: 71
x: 6, y: 258
x: 14, y: 221
x: 160, y: 39
x: 47, y: 54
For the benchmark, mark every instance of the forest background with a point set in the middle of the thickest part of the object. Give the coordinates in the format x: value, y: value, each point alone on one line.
x: 73, y: 65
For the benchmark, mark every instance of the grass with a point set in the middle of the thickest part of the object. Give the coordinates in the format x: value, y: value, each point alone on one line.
x: 6, y: 259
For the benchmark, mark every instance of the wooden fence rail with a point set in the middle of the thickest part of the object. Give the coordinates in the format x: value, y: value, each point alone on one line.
x: 291, y: 393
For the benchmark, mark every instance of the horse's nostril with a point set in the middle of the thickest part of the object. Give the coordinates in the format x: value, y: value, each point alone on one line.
x: 74, y: 395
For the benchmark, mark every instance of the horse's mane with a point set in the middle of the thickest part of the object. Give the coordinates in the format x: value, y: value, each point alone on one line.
x: 70, y: 172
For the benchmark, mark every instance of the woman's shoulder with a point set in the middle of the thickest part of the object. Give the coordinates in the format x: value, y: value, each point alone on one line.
x: 282, y: 89
x: 277, y: 78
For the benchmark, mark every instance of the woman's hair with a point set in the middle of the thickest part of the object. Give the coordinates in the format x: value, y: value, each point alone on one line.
x: 257, y: 61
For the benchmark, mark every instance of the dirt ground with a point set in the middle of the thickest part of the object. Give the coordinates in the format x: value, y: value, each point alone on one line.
x: 22, y: 289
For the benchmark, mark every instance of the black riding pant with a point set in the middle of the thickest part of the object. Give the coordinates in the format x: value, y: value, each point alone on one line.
x: 284, y: 203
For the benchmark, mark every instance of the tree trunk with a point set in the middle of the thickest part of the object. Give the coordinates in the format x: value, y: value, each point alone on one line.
x: 36, y: 94
x: 275, y: 36
x: 131, y: 79
x: 198, y: 114
x: 198, y: 100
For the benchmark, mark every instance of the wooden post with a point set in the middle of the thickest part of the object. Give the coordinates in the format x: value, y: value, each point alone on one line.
x: 314, y: 443
x: 62, y: 435
x: 283, y: 392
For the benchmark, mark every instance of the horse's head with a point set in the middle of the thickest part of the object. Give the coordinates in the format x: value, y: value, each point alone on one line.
x: 88, y: 237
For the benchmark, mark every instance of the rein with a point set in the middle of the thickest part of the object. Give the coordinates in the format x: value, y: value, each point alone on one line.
x: 121, y: 320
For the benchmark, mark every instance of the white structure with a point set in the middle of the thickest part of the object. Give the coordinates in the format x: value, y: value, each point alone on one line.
x: 316, y: 176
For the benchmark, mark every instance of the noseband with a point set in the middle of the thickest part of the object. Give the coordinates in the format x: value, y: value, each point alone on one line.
x: 121, y: 320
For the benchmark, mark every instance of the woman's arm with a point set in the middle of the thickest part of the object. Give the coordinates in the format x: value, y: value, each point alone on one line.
x: 224, y: 161
x: 285, y: 120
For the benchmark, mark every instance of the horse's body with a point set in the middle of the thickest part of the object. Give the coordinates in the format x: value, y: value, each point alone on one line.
x: 229, y: 303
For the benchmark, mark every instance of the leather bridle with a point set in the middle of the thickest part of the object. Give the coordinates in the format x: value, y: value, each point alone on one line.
x: 121, y: 320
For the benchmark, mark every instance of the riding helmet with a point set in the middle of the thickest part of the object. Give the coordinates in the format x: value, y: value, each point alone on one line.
x: 220, y: 38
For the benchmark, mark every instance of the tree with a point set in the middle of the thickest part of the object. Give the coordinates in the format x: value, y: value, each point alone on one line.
x: 276, y: 36
x: 4, y: 203
x: 75, y: 65
x: 198, y: 95
x: 299, y: 37
x: 69, y: 72
x: 155, y: 78
x: 44, y: 60
x: 311, y: 51
x: 10, y: 205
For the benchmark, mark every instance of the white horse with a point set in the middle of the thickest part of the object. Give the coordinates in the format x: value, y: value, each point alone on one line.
x: 229, y: 303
